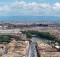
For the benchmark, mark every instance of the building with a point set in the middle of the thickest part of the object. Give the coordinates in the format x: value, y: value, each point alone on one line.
x: 17, y: 49
x: 46, y: 50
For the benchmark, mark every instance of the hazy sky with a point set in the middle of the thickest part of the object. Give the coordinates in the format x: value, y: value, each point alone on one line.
x: 30, y: 7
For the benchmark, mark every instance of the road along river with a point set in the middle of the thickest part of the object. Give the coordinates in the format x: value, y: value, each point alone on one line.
x: 32, y: 48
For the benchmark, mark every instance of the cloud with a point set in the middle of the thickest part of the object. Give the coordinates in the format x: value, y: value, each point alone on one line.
x: 30, y: 7
x: 33, y: 8
x: 56, y: 6
x: 5, y: 8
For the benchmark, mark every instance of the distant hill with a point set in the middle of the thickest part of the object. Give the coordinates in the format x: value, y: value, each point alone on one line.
x: 28, y: 18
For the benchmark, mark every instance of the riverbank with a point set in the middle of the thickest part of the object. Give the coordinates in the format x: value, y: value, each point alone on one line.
x: 43, y: 35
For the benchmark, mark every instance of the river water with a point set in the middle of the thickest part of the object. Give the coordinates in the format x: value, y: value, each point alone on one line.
x: 35, y: 39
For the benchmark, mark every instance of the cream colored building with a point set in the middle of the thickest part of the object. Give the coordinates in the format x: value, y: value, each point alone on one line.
x: 46, y: 50
x: 17, y: 49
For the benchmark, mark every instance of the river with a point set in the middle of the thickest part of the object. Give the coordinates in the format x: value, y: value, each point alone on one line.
x: 35, y: 39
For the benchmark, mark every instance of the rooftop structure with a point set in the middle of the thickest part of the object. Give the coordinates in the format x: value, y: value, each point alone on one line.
x: 15, y: 49
x: 46, y: 50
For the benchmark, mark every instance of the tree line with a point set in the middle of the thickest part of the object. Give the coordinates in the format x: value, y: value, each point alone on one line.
x: 5, y: 38
x: 45, y: 35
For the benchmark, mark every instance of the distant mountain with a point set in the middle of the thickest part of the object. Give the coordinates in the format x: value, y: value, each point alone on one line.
x: 28, y: 18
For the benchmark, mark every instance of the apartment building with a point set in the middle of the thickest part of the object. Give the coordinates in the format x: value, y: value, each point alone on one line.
x: 46, y: 50
x: 15, y: 49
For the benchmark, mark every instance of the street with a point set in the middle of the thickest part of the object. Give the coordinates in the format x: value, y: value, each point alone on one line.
x: 32, y: 51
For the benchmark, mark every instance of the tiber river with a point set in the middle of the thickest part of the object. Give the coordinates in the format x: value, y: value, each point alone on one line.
x: 35, y: 39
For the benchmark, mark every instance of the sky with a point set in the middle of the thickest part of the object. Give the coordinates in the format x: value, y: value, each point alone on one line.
x: 30, y: 7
